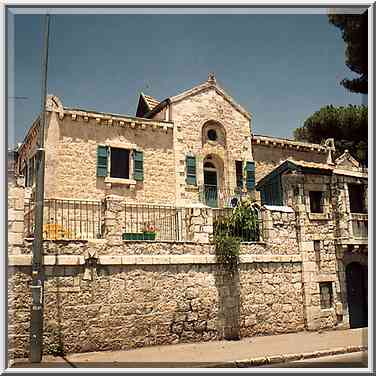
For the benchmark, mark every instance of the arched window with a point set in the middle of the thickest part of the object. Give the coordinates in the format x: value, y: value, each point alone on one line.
x: 209, y: 165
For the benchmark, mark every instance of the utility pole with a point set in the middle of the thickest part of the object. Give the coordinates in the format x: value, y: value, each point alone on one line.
x: 37, y: 269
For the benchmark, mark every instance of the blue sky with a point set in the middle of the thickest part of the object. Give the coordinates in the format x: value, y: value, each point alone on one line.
x: 281, y: 68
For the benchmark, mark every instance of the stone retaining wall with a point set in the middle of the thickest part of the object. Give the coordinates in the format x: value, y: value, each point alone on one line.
x: 111, y: 294
x: 125, y: 306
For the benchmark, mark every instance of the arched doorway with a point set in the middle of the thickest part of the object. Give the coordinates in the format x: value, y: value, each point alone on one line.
x: 210, y: 184
x: 356, y: 280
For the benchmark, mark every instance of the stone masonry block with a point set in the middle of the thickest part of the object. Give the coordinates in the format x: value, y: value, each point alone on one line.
x: 19, y: 260
x: 110, y: 260
x: 128, y: 260
x: 15, y: 238
x: 67, y: 260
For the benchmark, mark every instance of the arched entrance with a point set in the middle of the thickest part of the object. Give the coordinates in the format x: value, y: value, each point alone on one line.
x: 356, y: 280
x: 210, y: 184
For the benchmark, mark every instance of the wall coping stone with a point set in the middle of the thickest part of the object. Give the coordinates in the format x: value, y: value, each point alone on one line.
x: 71, y: 260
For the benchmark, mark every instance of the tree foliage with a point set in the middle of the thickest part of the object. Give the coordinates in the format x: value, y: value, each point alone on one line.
x: 347, y: 125
x: 354, y: 29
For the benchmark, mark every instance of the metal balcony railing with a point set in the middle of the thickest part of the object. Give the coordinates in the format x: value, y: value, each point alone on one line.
x: 359, y: 224
x: 215, y: 197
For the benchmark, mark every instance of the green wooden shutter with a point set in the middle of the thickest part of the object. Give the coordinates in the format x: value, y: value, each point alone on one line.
x: 250, y: 175
x: 190, y: 162
x: 102, y: 155
x: 138, y: 165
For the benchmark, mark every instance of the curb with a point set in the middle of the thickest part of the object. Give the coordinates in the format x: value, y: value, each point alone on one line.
x: 285, y: 358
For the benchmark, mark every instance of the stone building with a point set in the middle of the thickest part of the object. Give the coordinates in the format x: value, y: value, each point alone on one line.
x: 330, y: 201
x: 173, y: 165
x: 198, y: 143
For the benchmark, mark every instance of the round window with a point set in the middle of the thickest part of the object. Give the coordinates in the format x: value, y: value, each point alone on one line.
x: 212, y: 135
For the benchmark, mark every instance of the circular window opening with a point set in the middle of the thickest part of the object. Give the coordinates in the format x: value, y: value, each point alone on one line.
x: 212, y: 135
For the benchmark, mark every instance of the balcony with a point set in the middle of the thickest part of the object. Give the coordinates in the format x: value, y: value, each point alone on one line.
x: 215, y: 197
x: 359, y: 224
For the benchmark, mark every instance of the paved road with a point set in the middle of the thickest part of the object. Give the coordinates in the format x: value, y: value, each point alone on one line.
x: 353, y: 360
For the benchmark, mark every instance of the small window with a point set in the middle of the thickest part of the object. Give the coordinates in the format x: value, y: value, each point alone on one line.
x: 356, y: 197
x: 212, y: 135
x: 326, y: 295
x: 119, y: 163
x: 239, y: 174
x: 316, y: 201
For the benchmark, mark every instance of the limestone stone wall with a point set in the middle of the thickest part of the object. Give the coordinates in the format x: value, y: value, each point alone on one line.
x: 272, y: 300
x: 189, y: 116
x: 16, y: 192
x: 128, y: 306
x: 136, y: 294
x: 71, y: 159
x: 18, y: 313
x: 267, y: 157
x: 317, y: 242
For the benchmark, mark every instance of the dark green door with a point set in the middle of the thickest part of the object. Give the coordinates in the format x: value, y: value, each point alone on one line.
x: 356, y: 282
x: 210, y: 188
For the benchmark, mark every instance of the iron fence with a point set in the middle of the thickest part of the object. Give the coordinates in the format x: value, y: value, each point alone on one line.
x: 66, y: 219
x: 153, y: 222
x: 240, y: 230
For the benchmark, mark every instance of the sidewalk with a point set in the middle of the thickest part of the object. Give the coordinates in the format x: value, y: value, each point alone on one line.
x: 247, y: 352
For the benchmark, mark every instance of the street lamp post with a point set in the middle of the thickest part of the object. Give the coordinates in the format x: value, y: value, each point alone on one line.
x: 37, y: 269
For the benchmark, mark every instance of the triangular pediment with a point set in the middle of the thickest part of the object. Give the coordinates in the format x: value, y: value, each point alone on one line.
x: 211, y: 84
x: 347, y: 162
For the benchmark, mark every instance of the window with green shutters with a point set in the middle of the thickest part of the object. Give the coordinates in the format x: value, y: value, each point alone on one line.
x: 138, y: 165
x: 102, y: 155
x: 190, y: 162
x: 114, y: 162
x: 250, y: 175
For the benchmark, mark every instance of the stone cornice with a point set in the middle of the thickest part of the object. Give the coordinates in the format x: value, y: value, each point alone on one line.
x: 284, y: 143
x: 113, y: 119
x: 77, y: 260
x: 357, y: 174
x: 30, y: 135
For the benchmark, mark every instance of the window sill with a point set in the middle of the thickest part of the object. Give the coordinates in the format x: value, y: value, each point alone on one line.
x: 318, y: 216
x: 120, y: 181
x: 191, y: 188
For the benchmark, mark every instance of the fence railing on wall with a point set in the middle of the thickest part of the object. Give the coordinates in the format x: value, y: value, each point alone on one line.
x: 153, y: 222
x: 66, y: 219
x: 242, y: 231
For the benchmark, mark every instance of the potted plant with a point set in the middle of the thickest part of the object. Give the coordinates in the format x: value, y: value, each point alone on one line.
x: 149, y: 231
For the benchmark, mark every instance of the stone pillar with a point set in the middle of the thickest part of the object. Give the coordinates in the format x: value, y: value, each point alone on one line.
x: 200, y: 220
x: 16, y: 193
x: 266, y: 224
x: 114, y: 219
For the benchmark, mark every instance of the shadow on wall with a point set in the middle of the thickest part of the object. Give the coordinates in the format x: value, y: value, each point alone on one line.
x: 228, y: 286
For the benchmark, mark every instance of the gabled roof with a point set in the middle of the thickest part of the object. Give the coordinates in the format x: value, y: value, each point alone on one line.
x: 151, y: 102
x: 146, y: 104
x: 300, y: 166
x: 211, y: 83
